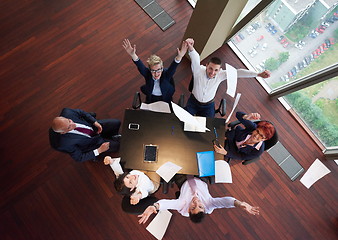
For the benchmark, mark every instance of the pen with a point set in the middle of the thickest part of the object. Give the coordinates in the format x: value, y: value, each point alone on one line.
x: 216, y: 135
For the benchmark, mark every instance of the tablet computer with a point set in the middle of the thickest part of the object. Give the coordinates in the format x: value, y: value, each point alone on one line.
x: 150, y: 153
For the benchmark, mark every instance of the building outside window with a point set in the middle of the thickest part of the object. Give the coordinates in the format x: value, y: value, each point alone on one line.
x: 292, y: 39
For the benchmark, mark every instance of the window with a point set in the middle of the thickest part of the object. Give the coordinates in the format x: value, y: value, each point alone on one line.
x: 293, y: 39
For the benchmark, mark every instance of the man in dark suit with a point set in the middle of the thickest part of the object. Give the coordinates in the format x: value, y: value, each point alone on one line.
x: 159, y: 81
x: 82, y: 136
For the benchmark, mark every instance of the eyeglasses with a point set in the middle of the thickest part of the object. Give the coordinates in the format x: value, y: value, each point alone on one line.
x: 157, y: 70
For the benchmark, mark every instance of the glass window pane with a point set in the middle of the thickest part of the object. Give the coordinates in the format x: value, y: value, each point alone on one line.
x: 291, y: 39
x: 318, y: 107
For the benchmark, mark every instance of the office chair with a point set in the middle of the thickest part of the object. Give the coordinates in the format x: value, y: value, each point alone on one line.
x: 138, y: 208
x: 136, y: 104
x: 268, y: 143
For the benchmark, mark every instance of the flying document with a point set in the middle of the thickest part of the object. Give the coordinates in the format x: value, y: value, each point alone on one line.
x: 160, y: 223
x: 186, y: 117
x: 156, y: 107
x: 315, y: 172
x: 238, y: 96
x: 231, y: 80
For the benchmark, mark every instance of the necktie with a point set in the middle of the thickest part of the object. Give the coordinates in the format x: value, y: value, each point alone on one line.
x: 86, y: 131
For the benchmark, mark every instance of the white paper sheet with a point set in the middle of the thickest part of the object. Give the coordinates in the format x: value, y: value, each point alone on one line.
x: 231, y: 80
x: 315, y: 172
x: 336, y: 161
x: 156, y: 107
x: 222, y: 172
x: 185, y: 116
x: 238, y: 96
x: 160, y: 223
x: 168, y: 170
x: 193, y: 128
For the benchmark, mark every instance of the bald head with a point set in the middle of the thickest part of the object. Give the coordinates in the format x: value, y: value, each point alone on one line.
x: 62, y: 125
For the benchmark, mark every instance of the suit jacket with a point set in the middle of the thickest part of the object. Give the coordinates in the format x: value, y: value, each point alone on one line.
x: 78, y: 146
x: 167, y: 88
x: 239, y: 134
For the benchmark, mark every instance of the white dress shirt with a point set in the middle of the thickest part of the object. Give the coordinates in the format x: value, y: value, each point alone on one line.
x: 157, y: 89
x: 205, y: 88
x: 144, y: 184
x: 182, y: 203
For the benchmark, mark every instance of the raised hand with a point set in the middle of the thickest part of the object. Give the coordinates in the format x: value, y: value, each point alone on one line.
x: 265, y: 74
x: 220, y: 149
x: 181, y: 52
x: 253, y: 116
x: 131, y: 50
x: 250, y: 209
x: 146, y: 214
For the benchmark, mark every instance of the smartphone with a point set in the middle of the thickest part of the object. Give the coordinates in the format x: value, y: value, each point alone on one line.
x: 150, y: 153
x: 216, y: 142
x: 134, y: 126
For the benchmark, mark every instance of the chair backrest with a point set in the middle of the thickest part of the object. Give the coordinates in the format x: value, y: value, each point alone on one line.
x: 53, y: 139
x: 191, y: 84
x: 272, y: 141
x: 136, y: 101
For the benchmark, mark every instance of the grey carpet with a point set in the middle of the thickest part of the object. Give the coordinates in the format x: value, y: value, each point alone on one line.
x: 156, y: 12
x: 286, y: 161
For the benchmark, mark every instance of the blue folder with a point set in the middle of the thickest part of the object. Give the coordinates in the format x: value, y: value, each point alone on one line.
x: 206, y: 163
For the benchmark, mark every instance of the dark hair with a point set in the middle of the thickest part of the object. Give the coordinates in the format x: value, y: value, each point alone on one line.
x: 215, y: 60
x: 197, y: 218
x: 267, y: 127
x: 120, y: 187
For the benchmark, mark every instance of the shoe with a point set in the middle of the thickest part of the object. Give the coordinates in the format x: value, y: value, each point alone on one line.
x: 228, y: 160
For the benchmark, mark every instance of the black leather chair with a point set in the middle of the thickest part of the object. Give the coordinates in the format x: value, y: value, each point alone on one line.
x: 136, y: 104
x: 268, y: 143
x: 138, y: 208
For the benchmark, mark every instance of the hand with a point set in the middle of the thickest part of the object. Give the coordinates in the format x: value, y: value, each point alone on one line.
x: 99, y: 127
x: 252, y: 116
x: 131, y: 50
x: 134, y: 199
x: 220, y: 149
x: 190, y: 43
x: 264, y: 74
x: 181, y: 52
x: 104, y: 147
x: 107, y: 160
x: 146, y: 214
x: 250, y: 209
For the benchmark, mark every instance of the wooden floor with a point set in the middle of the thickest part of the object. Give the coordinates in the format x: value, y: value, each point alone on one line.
x: 68, y: 53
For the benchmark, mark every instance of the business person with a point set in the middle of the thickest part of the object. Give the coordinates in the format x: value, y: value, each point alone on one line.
x: 82, y: 136
x: 158, y: 80
x: 206, y: 80
x: 247, y: 143
x: 195, y: 201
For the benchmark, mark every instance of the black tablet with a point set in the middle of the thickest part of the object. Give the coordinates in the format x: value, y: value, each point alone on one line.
x: 150, y: 153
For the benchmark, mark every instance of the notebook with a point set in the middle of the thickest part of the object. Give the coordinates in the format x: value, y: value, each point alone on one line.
x: 206, y: 163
